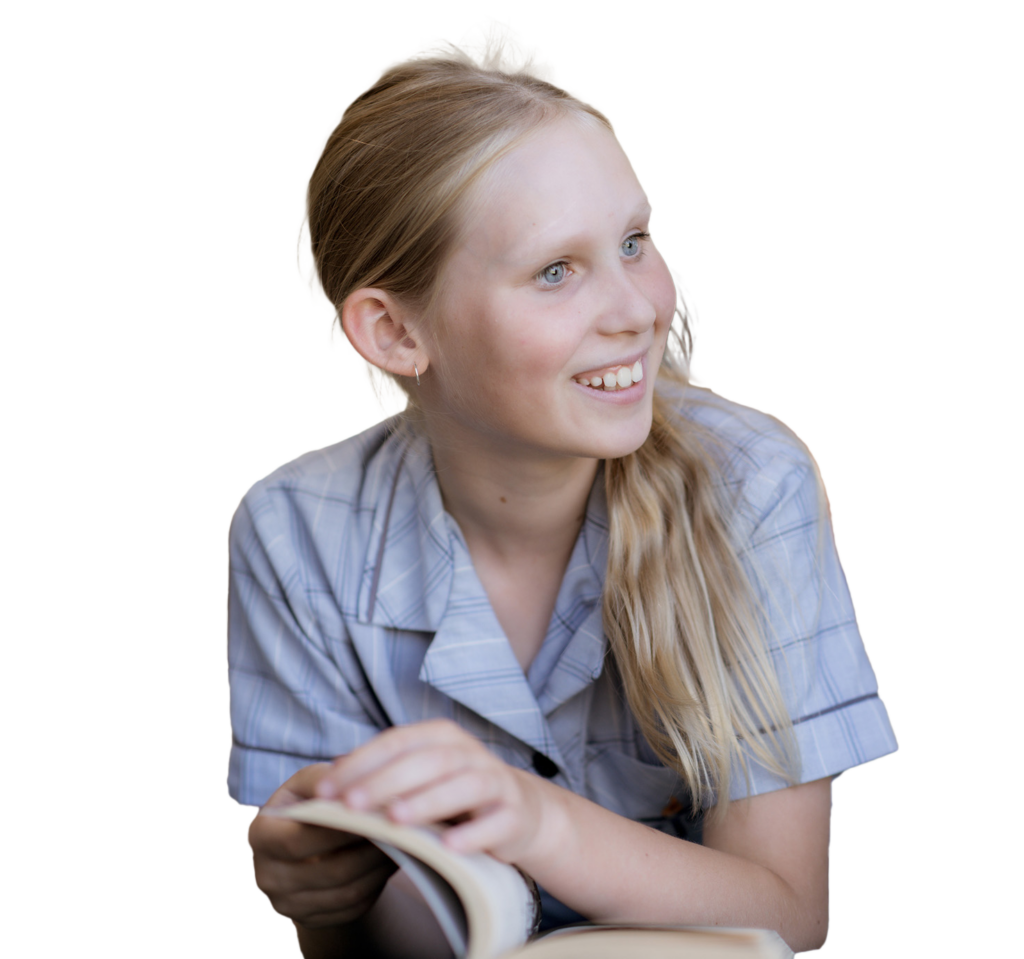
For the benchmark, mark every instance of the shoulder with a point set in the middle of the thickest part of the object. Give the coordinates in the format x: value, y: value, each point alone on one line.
x: 761, y: 463
x: 339, y: 473
x: 312, y: 517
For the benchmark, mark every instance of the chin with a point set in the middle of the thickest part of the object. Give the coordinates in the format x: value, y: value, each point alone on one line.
x: 613, y: 447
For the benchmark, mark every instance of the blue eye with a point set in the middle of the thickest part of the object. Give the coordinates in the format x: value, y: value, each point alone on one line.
x: 553, y: 274
x: 631, y: 245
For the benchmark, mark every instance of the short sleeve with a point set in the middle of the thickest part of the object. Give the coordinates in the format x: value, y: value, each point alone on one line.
x: 293, y: 699
x: 826, y: 679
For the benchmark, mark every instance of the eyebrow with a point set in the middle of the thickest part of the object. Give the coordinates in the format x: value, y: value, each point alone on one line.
x: 530, y: 254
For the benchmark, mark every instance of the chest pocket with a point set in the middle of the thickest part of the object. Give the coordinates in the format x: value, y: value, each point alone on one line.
x: 647, y: 792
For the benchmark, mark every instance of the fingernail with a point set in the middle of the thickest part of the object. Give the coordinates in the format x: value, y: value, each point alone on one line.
x: 357, y: 799
x: 453, y: 841
x: 325, y: 789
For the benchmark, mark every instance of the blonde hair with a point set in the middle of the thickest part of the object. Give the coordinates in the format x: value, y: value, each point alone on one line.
x: 682, y: 620
x: 384, y: 200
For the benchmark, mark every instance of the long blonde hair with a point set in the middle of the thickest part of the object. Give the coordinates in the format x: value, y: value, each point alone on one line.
x: 681, y: 616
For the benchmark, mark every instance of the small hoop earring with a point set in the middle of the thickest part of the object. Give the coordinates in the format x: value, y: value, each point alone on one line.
x: 417, y: 369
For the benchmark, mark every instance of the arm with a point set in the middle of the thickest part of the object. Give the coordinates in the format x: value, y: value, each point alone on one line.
x: 294, y: 700
x: 765, y: 864
x: 325, y: 881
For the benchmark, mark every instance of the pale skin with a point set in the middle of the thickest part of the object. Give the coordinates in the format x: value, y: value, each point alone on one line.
x: 552, y: 279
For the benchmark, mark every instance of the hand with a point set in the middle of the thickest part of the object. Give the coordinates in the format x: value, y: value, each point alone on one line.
x: 436, y: 772
x: 317, y: 877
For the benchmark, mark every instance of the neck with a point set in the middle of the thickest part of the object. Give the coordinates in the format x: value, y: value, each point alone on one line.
x: 513, y: 506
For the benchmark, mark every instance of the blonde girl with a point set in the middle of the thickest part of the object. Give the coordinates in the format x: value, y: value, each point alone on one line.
x: 584, y: 614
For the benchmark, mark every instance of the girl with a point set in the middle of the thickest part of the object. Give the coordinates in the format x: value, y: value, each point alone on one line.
x: 565, y: 603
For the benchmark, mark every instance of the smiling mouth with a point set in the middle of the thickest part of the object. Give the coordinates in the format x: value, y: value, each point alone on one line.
x: 614, y: 378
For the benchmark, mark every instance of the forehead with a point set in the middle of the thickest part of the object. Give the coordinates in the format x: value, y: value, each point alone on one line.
x: 567, y: 181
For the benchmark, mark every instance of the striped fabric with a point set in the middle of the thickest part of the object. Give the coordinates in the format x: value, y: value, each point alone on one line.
x: 354, y: 606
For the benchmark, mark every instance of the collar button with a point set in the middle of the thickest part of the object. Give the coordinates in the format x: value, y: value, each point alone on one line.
x: 544, y: 766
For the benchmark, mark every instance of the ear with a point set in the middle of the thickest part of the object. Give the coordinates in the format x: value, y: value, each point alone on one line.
x: 382, y: 331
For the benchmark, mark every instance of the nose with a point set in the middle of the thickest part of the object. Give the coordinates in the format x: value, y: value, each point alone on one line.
x: 626, y: 306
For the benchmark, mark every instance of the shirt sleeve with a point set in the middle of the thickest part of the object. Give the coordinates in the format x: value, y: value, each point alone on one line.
x: 824, y: 673
x: 295, y: 696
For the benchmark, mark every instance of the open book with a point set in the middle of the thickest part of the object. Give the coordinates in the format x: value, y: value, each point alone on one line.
x: 488, y: 909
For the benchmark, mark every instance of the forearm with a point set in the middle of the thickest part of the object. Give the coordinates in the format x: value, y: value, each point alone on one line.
x: 609, y: 869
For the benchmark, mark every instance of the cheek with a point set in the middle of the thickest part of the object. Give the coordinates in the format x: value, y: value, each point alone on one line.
x: 663, y: 296
x: 533, y: 343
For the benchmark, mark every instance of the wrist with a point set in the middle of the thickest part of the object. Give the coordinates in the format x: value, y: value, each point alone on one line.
x: 331, y: 942
x: 554, y: 837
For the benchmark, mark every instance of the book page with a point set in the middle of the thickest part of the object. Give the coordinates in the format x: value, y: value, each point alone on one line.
x: 498, y: 903
x: 616, y: 942
x: 443, y: 901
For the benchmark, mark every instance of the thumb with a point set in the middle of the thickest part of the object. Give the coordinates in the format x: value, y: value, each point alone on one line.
x: 301, y: 786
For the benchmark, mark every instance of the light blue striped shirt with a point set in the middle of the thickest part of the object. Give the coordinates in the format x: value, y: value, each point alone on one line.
x: 354, y: 606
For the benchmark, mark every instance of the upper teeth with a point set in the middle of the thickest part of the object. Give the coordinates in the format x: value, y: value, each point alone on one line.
x: 617, y: 378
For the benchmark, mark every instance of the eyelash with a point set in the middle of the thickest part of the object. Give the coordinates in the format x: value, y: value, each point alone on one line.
x: 641, y: 236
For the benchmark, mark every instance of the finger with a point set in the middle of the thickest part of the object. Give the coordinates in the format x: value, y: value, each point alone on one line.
x: 411, y: 772
x: 327, y: 872
x: 388, y: 745
x: 489, y: 832
x: 289, y: 841
x: 384, y: 748
x: 340, y: 916
x: 343, y: 867
x: 468, y: 791
x: 332, y: 906
x: 300, y: 786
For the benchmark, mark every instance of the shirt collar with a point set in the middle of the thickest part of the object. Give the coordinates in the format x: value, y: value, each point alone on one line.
x: 418, y: 575
x: 408, y: 564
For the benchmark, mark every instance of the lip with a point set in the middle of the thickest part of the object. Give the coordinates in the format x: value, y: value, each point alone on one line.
x: 618, y: 397
x: 625, y: 361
